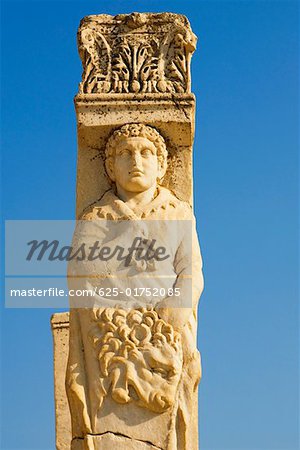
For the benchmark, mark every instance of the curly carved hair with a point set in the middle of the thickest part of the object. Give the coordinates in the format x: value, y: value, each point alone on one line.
x: 119, y: 332
x: 137, y: 130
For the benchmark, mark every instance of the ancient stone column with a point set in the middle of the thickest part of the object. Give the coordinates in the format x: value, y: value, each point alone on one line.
x: 133, y: 367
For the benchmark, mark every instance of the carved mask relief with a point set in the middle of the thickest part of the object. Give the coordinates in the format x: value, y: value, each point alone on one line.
x: 140, y: 357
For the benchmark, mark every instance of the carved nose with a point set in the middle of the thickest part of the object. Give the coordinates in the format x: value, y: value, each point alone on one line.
x: 136, y: 161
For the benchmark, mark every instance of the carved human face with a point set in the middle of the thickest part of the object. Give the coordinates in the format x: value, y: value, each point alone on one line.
x: 135, y: 166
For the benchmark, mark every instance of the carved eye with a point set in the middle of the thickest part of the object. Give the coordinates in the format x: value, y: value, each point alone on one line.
x: 124, y: 152
x: 146, y: 152
x: 159, y: 371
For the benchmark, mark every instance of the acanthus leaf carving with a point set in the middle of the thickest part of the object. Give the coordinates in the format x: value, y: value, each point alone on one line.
x: 134, y: 67
x: 133, y: 54
x: 94, y: 52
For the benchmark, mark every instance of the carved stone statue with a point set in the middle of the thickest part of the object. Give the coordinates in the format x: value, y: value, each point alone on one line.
x: 133, y: 367
x: 146, y: 356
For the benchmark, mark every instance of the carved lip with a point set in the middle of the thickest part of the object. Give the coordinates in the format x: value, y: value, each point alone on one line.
x: 136, y: 172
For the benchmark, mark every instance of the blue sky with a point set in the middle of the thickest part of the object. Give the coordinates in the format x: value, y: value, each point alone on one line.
x: 245, y: 75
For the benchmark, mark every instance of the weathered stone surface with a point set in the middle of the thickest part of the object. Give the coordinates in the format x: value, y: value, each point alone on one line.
x: 110, y: 440
x: 135, y: 53
x: 60, y: 331
x: 131, y: 418
x: 133, y: 366
x: 99, y: 115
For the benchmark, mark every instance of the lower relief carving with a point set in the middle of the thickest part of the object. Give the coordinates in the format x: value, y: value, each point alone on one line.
x: 141, y: 379
x: 140, y: 357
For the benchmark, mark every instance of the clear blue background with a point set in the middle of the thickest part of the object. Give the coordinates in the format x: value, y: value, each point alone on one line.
x: 245, y: 167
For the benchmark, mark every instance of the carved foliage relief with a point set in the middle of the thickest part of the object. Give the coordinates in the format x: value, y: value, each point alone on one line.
x: 137, y: 53
x: 140, y: 357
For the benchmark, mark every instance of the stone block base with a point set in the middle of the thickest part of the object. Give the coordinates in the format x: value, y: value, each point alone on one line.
x: 110, y: 440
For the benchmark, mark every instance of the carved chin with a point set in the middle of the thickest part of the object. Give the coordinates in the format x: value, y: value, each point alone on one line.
x: 138, y: 183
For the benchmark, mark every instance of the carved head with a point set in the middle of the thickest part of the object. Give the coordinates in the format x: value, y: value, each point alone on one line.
x: 140, y: 357
x: 136, y: 157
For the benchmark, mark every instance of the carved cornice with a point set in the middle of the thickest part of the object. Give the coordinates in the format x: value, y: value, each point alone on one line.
x: 60, y: 320
x: 136, y: 53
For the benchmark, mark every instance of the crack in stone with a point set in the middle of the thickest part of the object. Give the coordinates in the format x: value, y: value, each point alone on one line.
x: 180, y: 107
x: 124, y: 436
